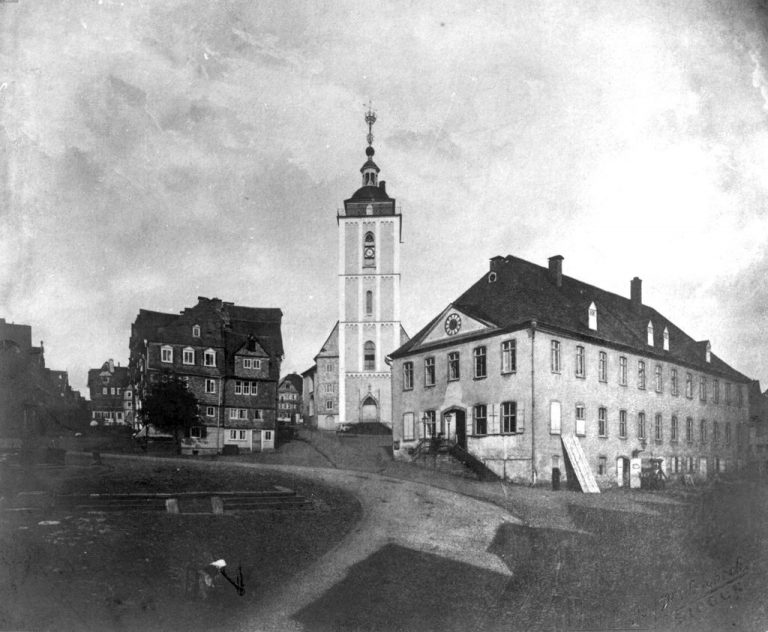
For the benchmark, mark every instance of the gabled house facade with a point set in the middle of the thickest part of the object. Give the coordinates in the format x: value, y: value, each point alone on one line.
x: 321, y: 385
x: 111, y: 395
x: 229, y: 357
x: 528, y: 355
x: 289, y: 399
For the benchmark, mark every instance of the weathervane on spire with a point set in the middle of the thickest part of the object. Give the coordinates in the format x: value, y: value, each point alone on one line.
x: 370, y: 118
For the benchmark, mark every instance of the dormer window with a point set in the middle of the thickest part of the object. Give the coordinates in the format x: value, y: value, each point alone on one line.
x: 650, y: 333
x: 209, y: 357
x: 708, y: 353
x: 666, y: 339
x: 593, y: 317
x: 196, y: 331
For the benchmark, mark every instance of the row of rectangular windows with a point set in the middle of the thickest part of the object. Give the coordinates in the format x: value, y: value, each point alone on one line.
x: 114, y: 390
x: 658, y: 425
x: 209, y: 358
x: 677, y: 464
x: 241, y: 387
x: 479, y: 364
x: 658, y: 378
x: 511, y: 421
x: 107, y: 414
x: 246, y: 388
x: 509, y: 365
x: 197, y: 432
x: 235, y: 413
x: 187, y: 356
x: 242, y: 413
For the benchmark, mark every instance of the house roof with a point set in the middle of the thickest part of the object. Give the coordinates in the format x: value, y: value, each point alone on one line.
x: 330, y: 348
x: 119, y: 376
x: 309, y: 371
x: 517, y: 292
x: 295, y: 380
x: 221, y: 324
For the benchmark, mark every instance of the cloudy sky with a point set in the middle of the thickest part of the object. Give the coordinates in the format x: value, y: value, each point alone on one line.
x: 154, y: 152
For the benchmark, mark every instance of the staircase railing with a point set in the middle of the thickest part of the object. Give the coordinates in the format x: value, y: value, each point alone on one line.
x: 422, y: 447
x: 473, y: 463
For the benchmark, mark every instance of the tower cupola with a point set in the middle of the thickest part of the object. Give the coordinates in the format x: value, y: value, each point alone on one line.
x: 369, y: 170
x: 371, y: 198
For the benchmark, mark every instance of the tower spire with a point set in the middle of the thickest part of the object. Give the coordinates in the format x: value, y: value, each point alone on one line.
x: 369, y: 170
x: 370, y: 118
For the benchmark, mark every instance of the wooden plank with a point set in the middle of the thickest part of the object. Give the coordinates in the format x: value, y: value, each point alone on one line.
x: 580, y: 464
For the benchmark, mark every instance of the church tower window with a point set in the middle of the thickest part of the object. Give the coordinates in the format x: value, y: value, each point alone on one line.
x: 369, y: 356
x: 369, y: 302
x: 369, y: 250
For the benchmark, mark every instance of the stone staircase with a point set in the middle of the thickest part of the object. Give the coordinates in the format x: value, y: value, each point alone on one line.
x: 443, y: 456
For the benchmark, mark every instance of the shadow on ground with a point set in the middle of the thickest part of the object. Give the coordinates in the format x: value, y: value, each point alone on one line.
x: 398, y: 588
x: 698, y: 565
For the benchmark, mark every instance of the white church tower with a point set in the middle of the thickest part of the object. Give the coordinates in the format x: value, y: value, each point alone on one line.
x: 369, y: 296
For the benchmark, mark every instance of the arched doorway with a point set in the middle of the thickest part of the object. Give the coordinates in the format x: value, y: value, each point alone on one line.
x: 369, y: 412
x: 622, y: 471
x: 454, y: 424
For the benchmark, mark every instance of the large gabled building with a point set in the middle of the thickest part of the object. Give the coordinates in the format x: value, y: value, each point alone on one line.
x: 228, y: 355
x: 528, y: 356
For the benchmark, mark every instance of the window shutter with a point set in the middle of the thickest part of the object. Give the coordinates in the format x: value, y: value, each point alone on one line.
x: 203, y: 432
x: 187, y: 432
x: 520, y: 417
x: 554, y: 417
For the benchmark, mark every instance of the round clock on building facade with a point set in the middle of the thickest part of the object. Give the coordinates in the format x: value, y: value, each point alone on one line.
x: 452, y: 324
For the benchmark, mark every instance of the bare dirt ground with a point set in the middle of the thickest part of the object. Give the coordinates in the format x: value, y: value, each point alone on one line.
x: 64, y: 569
x: 399, y: 548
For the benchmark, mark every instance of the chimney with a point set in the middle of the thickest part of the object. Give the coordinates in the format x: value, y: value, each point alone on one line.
x: 111, y: 365
x: 636, y: 292
x: 383, y: 186
x: 496, y: 263
x: 556, y: 270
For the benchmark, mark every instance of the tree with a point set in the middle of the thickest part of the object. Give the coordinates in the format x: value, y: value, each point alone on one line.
x: 171, y: 407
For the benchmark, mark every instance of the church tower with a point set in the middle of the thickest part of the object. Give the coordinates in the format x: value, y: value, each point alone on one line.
x: 369, y: 296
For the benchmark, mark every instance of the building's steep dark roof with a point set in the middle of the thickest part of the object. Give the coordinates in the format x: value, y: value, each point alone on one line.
x: 120, y: 376
x: 148, y: 322
x: 330, y: 348
x: 262, y: 322
x: 295, y: 381
x: 369, y: 194
x: 221, y: 325
x: 523, y: 292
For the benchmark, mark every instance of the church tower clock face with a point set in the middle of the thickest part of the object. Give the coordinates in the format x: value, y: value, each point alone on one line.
x: 452, y: 324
